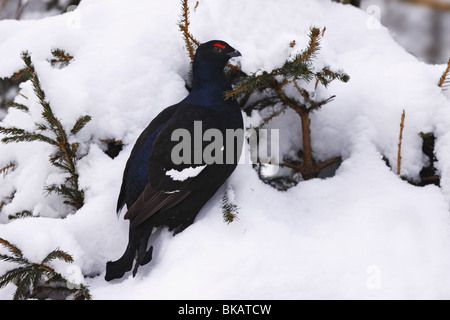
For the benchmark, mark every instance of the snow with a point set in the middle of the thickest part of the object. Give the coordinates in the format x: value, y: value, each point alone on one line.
x: 363, y: 233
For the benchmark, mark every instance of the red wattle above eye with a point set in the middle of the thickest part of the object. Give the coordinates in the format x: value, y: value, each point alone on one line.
x: 219, y: 45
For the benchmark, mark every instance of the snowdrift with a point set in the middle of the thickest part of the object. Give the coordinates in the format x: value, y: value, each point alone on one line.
x: 363, y: 233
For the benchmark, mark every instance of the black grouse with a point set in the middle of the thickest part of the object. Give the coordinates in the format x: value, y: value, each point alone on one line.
x: 159, y: 190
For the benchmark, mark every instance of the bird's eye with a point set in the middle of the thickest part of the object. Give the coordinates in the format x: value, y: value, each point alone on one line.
x: 218, y: 47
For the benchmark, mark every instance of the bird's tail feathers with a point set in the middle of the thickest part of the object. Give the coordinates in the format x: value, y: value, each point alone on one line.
x: 136, y: 250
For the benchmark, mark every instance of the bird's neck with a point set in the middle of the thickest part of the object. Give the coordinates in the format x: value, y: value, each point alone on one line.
x: 209, y: 91
x: 209, y: 87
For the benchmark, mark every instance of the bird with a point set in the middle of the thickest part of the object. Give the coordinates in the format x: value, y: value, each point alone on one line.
x: 159, y: 190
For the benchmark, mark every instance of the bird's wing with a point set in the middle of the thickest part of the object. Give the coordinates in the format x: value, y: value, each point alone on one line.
x: 170, y: 183
x: 147, y: 137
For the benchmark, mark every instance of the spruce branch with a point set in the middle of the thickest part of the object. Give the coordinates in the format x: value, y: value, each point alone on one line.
x: 230, y: 210
x: 20, y: 75
x: 80, y: 123
x: 20, y: 215
x: 16, y: 252
x: 275, y: 114
x: 20, y: 135
x: 313, y: 46
x: 326, y: 76
x: 191, y: 42
x: 41, y: 127
x: 7, y: 200
x: 16, y: 105
x: 61, y: 57
x: 30, y: 277
x: 309, y: 103
x: 252, y: 83
x: 11, y: 166
x: 261, y: 103
x: 297, y: 68
x: 57, y: 254
x: 64, y: 157
x: 32, y: 76
x: 300, y: 66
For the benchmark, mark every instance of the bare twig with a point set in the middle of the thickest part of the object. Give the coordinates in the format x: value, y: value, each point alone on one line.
x: 184, y: 26
x: 443, y: 78
x: 20, y: 9
x: 400, y: 138
x: 3, y: 4
x: 433, y: 4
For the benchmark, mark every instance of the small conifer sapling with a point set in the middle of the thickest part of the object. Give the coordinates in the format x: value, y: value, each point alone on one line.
x: 65, y: 156
x: 32, y: 278
x: 270, y: 89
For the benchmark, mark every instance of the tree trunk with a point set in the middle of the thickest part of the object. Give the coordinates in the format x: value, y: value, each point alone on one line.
x: 308, y: 169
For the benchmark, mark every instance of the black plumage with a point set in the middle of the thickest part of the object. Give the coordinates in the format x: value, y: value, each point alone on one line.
x: 153, y: 196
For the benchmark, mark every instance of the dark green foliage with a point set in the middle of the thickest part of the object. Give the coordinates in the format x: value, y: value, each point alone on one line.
x: 8, y: 85
x: 18, y: 135
x: 326, y: 76
x: 30, y: 277
x: 20, y: 215
x: 21, y: 75
x: 80, y: 123
x: 61, y: 58
x: 16, y: 105
x: 229, y: 208
x: 65, y: 155
x: 6, y: 200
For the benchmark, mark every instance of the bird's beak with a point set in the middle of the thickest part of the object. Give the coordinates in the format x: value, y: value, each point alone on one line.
x: 234, y: 53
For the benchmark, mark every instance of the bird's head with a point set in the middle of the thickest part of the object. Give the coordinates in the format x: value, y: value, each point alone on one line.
x: 213, y: 55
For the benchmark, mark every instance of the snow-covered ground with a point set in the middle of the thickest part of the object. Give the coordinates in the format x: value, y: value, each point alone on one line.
x: 363, y: 234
